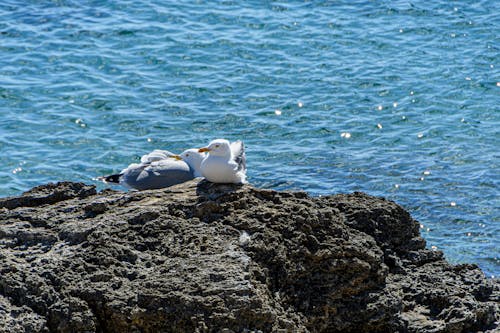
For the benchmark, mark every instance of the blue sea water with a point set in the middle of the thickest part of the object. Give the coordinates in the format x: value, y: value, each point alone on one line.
x: 399, y: 99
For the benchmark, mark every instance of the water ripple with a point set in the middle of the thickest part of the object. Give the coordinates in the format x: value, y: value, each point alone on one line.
x: 396, y: 99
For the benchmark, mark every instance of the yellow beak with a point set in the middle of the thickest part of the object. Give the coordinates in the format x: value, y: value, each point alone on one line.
x: 204, y: 149
x: 177, y: 157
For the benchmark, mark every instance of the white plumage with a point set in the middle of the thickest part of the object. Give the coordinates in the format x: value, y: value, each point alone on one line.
x: 225, y: 162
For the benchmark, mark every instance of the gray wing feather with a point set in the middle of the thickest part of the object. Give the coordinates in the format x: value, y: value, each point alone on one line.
x: 238, y: 152
x: 155, y: 155
x: 158, y: 174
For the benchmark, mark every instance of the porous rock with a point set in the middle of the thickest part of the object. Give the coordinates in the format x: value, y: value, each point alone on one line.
x: 201, y: 257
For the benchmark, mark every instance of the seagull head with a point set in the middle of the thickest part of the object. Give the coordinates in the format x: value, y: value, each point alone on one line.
x: 192, y: 157
x: 217, y: 147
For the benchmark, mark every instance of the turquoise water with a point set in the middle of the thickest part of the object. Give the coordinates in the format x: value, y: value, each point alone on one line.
x: 396, y: 98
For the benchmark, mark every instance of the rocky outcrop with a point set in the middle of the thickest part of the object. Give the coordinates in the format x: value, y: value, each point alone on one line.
x: 200, y: 257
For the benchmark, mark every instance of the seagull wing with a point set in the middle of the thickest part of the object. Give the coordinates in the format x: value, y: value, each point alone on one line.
x: 156, y: 155
x: 157, y: 174
x: 238, y: 154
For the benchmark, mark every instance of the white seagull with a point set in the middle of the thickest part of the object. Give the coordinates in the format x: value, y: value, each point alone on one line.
x: 159, y: 169
x: 225, y: 163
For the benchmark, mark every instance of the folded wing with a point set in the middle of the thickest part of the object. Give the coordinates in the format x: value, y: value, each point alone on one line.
x: 157, y: 174
x: 238, y: 154
x: 156, y: 155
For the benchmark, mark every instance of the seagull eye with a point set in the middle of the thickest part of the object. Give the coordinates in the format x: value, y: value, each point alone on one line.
x: 217, y: 146
x: 187, y: 155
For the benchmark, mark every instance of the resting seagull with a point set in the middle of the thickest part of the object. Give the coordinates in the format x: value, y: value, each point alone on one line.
x: 159, y: 169
x: 225, y: 163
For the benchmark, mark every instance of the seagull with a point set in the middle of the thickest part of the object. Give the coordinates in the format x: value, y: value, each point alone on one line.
x: 225, y: 162
x: 159, y: 169
x: 193, y: 158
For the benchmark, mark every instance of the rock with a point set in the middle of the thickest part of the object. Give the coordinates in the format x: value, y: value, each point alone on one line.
x: 201, y: 257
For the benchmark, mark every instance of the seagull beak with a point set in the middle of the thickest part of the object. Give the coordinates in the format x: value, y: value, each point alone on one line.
x: 177, y: 157
x: 204, y: 149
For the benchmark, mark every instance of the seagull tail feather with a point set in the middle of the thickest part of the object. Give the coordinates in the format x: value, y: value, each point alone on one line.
x: 111, y: 178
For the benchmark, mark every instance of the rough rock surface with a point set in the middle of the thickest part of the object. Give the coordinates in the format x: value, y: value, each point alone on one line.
x: 201, y: 257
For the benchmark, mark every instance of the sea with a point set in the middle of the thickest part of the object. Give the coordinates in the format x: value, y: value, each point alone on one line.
x: 398, y: 99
